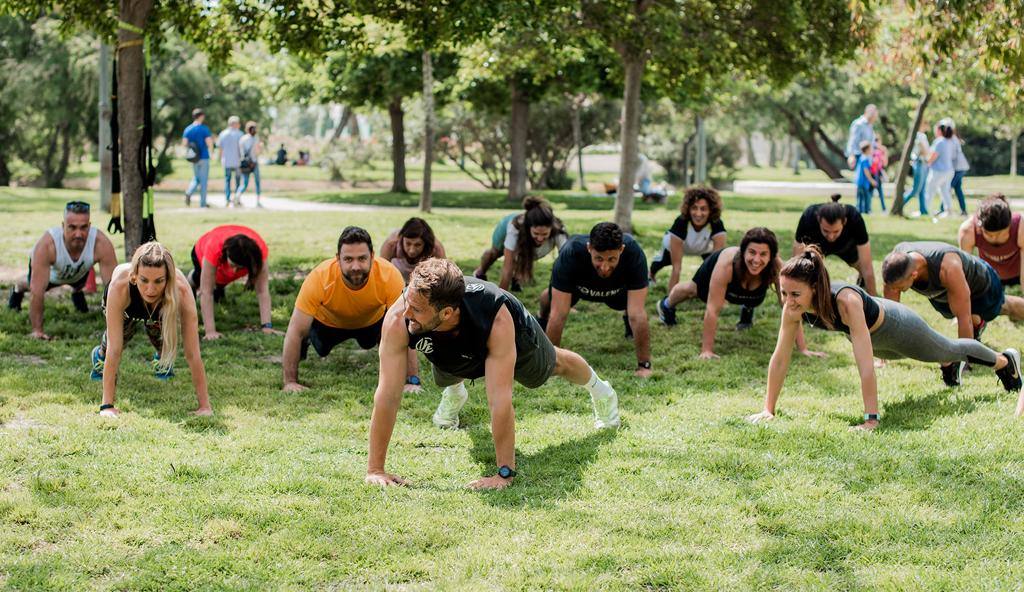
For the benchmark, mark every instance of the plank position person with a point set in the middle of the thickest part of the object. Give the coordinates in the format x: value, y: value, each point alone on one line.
x: 838, y: 229
x: 344, y: 297
x: 999, y: 237
x: 521, y: 239
x: 221, y: 256
x: 875, y: 327
x: 410, y: 244
x: 739, y: 275
x: 697, y: 230
x: 149, y: 290
x: 957, y: 284
x: 607, y: 266
x: 468, y: 329
x: 64, y: 255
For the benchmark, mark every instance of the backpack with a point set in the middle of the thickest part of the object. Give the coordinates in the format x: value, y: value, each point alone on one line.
x: 248, y: 164
x: 192, y: 153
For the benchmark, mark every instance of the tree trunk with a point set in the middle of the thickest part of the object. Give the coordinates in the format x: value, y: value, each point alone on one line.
x: 577, y: 140
x: 353, y: 126
x: 426, y: 198
x: 773, y: 157
x: 346, y: 113
x: 519, y: 128
x: 1013, y: 153
x: 805, y: 135
x: 633, y: 66
x: 829, y: 144
x: 65, y: 156
x: 751, y: 157
x: 130, y: 87
x: 686, y: 159
x: 5, y: 171
x: 104, y: 127
x: 700, y: 166
x: 908, y: 147
x: 397, y: 146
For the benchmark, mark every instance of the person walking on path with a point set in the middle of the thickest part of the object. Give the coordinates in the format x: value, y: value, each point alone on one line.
x: 879, y: 160
x: 940, y: 173
x: 861, y: 130
x: 960, y: 168
x: 251, y: 147
x: 919, y: 154
x: 198, y: 139
x: 228, y: 142
x: 865, y: 180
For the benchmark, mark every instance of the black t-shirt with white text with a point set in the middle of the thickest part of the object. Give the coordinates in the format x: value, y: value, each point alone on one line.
x: 574, y: 272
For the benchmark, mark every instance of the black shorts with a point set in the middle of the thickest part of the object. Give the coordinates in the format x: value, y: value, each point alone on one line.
x: 76, y: 287
x: 323, y: 338
x: 849, y: 255
x: 535, y: 360
x: 616, y: 302
x: 194, y: 275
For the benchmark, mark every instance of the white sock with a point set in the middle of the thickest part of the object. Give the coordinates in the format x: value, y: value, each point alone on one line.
x: 455, y: 389
x: 595, y: 386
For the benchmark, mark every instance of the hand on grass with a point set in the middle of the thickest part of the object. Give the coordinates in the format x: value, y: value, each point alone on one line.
x: 203, y: 412
x: 384, y: 479
x: 643, y: 372
x: 412, y: 388
x: 494, y: 482
x: 880, y: 363
x: 40, y: 335
x: 294, y: 387
x: 761, y: 417
x: 867, y: 426
x: 110, y: 412
x: 271, y: 331
x: 813, y: 354
x: 212, y: 336
x: 708, y: 355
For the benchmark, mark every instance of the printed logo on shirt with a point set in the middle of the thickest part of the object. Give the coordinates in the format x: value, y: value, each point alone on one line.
x: 470, y: 288
x: 70, y: 271
x: 425, y: 345
x: 598, y: 293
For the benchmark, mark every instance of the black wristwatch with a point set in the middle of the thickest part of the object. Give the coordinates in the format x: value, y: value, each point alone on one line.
x: 644, y: 365
x: 506, y: 472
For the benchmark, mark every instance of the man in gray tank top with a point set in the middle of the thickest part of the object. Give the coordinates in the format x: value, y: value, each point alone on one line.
x: 64, y: 255
x: 956, y: 283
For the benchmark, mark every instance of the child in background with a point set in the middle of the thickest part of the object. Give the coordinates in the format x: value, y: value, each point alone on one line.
x: 865, y: 181
x: 879, y: 160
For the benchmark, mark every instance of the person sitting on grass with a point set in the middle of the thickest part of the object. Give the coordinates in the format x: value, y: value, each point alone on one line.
x: 521, y: 239
x: 64, y: 255
x: 409, y: 245
x: 957, y: 284
x: 149, y: 290
x: 343, y: 298
x: 999, y: 237
x: 838, y: 229
x: 697, y: 230
x: 225, y: 254
x: 471, y: 329
x: 609, y: 267
x: 739, y: 275
x: 875, y: 327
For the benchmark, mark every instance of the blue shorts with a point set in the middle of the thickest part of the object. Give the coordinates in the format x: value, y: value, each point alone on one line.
x: 988, y: 305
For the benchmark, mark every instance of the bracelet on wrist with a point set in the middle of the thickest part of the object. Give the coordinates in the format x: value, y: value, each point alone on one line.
x: 267, y: 325
x: 645, y: 365
x: 870, y: 417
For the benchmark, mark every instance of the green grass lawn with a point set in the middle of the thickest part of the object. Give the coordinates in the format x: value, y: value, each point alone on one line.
x: 268, y: 493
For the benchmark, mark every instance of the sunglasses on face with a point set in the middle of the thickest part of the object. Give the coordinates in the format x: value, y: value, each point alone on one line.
x: 77, y: 207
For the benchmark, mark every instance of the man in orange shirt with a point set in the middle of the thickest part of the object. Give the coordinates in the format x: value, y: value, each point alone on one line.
x: 344, y: 297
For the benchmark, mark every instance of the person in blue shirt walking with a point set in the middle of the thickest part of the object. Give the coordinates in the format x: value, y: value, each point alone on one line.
x: 940, y: 175
x: 199, y: 140
x: 865, y: 180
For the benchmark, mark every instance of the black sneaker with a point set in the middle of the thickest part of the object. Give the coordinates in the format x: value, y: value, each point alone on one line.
x: 78, y: 299
x: 629, y: 330
x: 14, y: 301
x: 1010, y: 374
x: 666, y: 313
x: 746, y: 318
x: 952, y: 373
x: 979, y: 329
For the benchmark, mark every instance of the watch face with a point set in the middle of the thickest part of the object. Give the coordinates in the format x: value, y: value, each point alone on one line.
x: 504, y: 472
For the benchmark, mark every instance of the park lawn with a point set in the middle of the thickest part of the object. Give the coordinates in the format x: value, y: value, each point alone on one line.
x: 268, y: 493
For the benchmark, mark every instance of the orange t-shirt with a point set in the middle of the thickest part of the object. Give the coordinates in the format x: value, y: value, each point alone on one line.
x: 325, y: 297
x: 210, y: 246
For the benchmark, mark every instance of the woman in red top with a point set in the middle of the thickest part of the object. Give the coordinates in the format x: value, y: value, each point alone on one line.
x: 223, y: 255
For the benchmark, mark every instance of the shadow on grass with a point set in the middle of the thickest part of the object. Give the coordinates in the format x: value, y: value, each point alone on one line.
x: 920, y: 412
x: 552, y: 474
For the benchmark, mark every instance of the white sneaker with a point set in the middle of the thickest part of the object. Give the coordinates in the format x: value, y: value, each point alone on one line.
x: 606, y: 406
x: 453, y: 399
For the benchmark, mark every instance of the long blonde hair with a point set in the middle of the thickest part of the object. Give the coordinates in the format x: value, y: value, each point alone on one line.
x: 153, y: 254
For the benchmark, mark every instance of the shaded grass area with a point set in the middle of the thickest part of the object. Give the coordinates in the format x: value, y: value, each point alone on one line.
x: 268, y: 493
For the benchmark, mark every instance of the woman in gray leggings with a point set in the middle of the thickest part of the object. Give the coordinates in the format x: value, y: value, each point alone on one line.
x: 875, y: 327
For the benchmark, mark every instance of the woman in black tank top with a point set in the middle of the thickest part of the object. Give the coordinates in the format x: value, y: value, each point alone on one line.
x: 875, y: 327
x: 150, y: 290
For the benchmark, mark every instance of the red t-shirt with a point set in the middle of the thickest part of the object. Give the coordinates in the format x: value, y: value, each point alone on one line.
x: 210, y: 245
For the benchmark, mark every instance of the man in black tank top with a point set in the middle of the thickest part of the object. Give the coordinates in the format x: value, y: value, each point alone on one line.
x: 470, y: 328
x: 956, y: 283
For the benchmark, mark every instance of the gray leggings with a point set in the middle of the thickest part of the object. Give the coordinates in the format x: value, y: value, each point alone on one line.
x: 904, y: 334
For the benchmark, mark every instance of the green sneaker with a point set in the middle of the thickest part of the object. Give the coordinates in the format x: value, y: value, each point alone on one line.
x: 98, y: 362
x: 453, y: 399
x: 159, y: 372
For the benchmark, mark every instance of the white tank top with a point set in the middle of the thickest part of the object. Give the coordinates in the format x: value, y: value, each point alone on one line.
x: 65, y: 270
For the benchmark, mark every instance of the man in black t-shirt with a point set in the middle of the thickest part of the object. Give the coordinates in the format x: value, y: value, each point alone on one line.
x: 469, y: 328
x: 838, y: 229
x: 607, y: 267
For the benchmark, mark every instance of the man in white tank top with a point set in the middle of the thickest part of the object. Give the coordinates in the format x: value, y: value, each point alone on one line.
x: 64, y: 255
